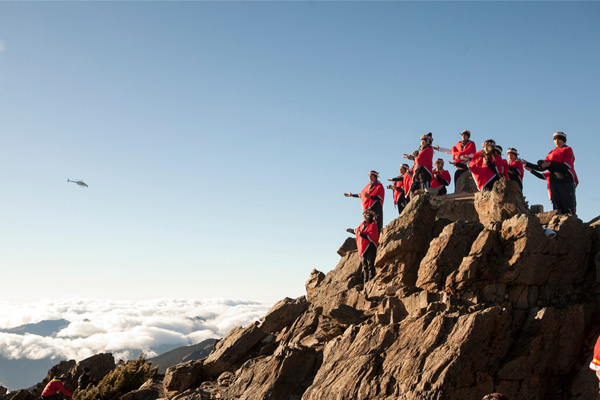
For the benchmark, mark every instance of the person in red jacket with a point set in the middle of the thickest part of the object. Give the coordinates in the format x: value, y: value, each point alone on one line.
x: 504, y: 169
x: 515, y: 167
x: 486, y: 166
x: 595, y: 364
x: 51, y: 390
x: 367, y: 240
x: 407, y: 184
x: 441, y: 177
x: 561, y: 177
x: 423, y: 168
x: 398, y: 188
x: 372, y: 197
x: 462, y: 152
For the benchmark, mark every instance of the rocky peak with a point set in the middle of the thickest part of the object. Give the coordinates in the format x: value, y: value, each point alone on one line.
x: 473, y: 295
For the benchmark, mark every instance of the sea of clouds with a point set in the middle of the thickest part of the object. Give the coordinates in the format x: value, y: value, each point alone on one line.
x: 111, y: 326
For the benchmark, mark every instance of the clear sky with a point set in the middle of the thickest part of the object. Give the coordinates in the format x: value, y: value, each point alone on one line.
x: 217, y: 138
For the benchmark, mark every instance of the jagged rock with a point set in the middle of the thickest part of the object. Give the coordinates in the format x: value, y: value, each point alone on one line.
x: 183, y: 376
x: 283, y: 313
x: 458, y: 207
x: 404, y: 242
x: 348, y: 246
x: 347, y: 315
x: 284, y: 375
x: 457, y: 310
x: 100, y: 365
x: 3, y: 390
x: 150, y: 390
x: 446, y: 253
x: 232, y: 348
x: 502, y: 202
x: 235, y: 346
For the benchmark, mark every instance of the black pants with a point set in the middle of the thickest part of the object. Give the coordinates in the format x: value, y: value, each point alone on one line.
x: 367, y: 262
x: 442, y: 190
x: 377, y: 208
x: 563, y: 197
x: 457, y: 174
x: 401, y: 203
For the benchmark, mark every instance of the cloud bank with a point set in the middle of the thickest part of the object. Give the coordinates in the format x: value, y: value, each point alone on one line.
x: 119, y: 327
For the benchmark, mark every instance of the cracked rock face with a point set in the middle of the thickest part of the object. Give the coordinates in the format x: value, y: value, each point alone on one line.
x: 458, y: 309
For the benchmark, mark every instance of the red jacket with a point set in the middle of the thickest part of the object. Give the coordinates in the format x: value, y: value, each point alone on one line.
x: 372, y: 233
x: 518, y: 165
x: 564, y: 154
x: 469, y: 150
x: 443, y: 175
x: 373, y: 189
x: 595, y: 364
x: 407, y: 183
x: 481, y: 172
x: 425, y: 159
x: 397, y: 193
x: 53, y: 387
x: 504, y: 172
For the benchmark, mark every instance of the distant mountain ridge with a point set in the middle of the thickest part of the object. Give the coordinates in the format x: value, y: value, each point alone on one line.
x: 182, y: 354
x: 47, y: 327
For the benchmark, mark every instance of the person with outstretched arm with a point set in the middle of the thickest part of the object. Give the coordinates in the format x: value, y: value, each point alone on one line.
x: 51, y: 390
x: 371, y: 197
x: 486, y: 166
x: 559, y: 169
x: 423, y: 167
x: 441, y: 177
x: 461, y: 152
x: 398, y: 188
x: 515, y: 167
x: 367, y: 240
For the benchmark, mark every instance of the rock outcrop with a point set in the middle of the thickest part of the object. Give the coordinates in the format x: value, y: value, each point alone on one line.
x: 462, y: 305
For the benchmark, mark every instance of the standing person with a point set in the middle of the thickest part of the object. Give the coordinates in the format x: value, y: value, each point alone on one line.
x: 407, y: 185
x: 562, y: 178
x: 372, y: 197
x: 486, y: 166
x: 51, y: 390
x: 462, y: 152
x: 441, y: 177
x: 504, y: 169
x: 85, y: 379
x: 423, y: 158
x: 367, y: 240
x: 398, y: 188
x: 515, y: 167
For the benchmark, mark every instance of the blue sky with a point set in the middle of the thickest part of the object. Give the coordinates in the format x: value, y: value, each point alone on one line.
x: 217, y: 139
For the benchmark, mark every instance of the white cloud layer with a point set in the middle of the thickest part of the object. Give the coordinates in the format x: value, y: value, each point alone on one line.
x: 109, y: 326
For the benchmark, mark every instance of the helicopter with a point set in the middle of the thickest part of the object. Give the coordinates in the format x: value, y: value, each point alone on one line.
x: 78, y: 183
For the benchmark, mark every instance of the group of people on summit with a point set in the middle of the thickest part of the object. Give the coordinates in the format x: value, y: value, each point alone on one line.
x: 475, y: 171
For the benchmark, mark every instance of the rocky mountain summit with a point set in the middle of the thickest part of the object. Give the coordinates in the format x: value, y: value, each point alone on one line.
x: 472, y: 295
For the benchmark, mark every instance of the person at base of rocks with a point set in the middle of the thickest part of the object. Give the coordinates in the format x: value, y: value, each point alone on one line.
x: 398, y: 188
x: 495, y: 396
x: 595, y: 364
x: 561, y: 177
x: 461, y: 152
x: 515, y: 167
x: 441, y: 177
x: 367, y: 240
x: 86, y: 379
x: 504, y: 169
x: 372, y: 197
x: 423, y: 167
x: 486, y: 165
x: 51, y: 390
